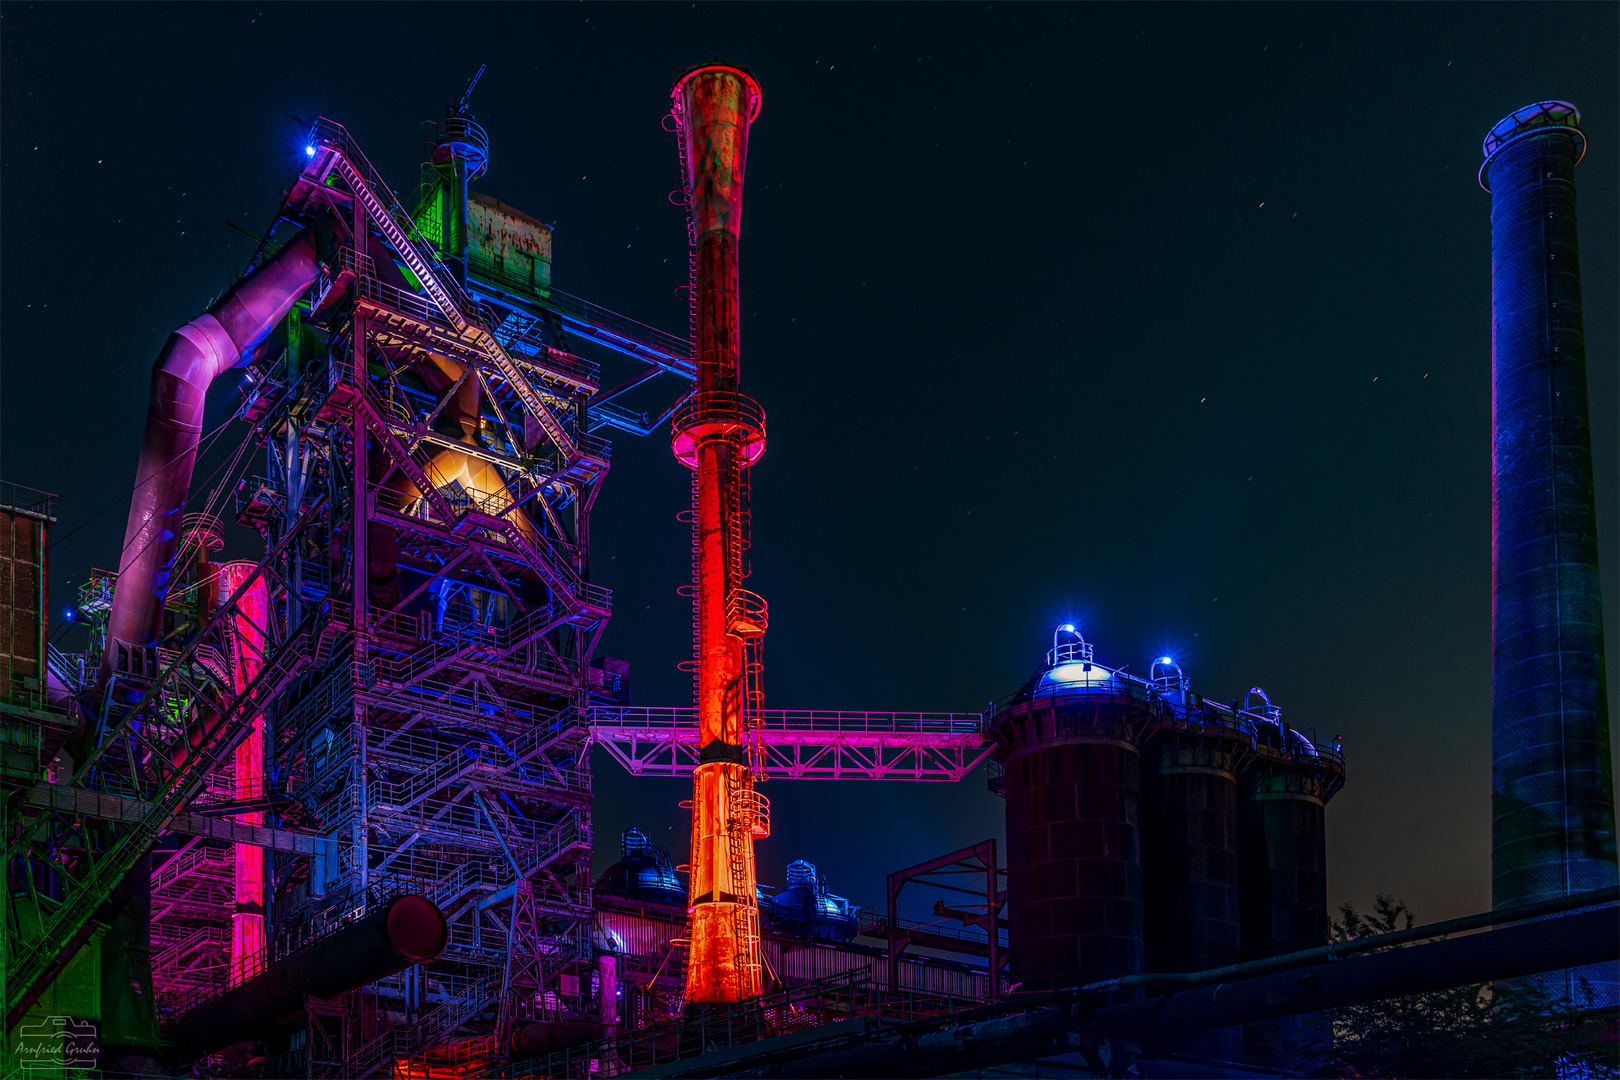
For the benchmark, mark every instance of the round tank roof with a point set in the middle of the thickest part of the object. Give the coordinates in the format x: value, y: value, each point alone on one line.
x: 1535, y: 119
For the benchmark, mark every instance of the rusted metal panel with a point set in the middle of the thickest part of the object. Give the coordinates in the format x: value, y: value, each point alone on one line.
x: 23, y: 620
x: 508, y: 246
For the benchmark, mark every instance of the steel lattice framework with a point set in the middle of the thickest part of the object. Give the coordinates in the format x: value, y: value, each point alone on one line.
x: 426, y: 726
x: 803, y: 744
x: 419, y: 670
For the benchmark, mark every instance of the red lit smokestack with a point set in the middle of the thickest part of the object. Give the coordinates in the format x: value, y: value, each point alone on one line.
x: 718, y: 433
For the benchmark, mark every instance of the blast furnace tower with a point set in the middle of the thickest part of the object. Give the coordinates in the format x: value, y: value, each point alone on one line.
x: 1552, y: 794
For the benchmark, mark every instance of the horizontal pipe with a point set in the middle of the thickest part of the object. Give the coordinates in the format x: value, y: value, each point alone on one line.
x: 1340, y: 949
x: 1585, y: 937
x: 957, y: 1043
x: 545, y: 1036
x: 408, y: 930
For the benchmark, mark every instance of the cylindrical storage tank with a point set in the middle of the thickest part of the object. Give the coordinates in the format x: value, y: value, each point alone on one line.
x: 1074, y: 802
x: 407, y: 930
x: 644, y: 873
x: 809, y: 909
x: 1552, y: 792
x: 1282, y: 847
x: 1190, y: 866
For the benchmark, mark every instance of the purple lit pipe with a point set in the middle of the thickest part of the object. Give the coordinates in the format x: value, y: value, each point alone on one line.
x: 194, y: 356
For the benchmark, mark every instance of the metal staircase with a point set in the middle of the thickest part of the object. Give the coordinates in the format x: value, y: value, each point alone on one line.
x: 397, y: 227
x: 431, y: 1028
x: 144, y: 755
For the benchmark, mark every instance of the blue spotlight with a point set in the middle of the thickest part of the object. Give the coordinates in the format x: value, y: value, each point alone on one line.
x: 309, y: 151
x: 1067, y: 628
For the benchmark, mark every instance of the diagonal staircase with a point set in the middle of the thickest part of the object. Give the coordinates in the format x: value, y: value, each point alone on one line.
x: 430, y: 1029
x: 395, y: 225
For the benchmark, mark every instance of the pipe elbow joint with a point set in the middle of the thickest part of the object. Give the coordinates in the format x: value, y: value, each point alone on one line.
x: 198, y: 352
x: 250, y: 311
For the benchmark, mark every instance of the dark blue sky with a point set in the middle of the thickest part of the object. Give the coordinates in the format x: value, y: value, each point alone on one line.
x: 1171, y: 320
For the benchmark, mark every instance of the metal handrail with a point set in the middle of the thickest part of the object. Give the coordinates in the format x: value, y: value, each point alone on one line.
x: 807, y: 720
x: 337, y: 136
x: 1179, y: 714
x: 718, y: 406
x: 747, y: 614
x: 626, y: 334
x: 26, y: 500
x: 751, y: 811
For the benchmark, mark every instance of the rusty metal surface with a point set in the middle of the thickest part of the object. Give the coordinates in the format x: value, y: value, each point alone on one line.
x: 509, y: 245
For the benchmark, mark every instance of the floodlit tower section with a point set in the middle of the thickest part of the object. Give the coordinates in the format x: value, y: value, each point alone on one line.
x: 1552, y: 812
x: 718, y: 433
x: 238, y: 581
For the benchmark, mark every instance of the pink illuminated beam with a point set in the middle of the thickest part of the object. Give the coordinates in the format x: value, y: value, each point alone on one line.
x: 248, y: 622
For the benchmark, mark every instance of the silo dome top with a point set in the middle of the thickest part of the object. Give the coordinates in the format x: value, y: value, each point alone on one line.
x: 1532, y: 119
x: 1070, y: 666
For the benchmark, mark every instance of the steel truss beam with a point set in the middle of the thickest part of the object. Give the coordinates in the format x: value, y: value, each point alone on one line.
x: 804, y: 744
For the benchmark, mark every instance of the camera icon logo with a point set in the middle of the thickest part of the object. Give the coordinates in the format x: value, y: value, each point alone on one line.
x: 56, y: 1042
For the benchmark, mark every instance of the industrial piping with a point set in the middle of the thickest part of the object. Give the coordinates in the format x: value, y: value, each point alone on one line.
x: 1552, y: 798
x: 718, y: 433
x: 408, y: 930
x: 193, y: 357
x: 1023, y: 1030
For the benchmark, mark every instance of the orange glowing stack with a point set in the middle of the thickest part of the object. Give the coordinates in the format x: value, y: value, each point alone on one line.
x: 718, y: 433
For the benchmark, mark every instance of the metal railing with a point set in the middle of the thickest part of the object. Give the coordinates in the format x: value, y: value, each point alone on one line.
x: 828, y: 721
x: 26, y: 499
x: 1184, y: 711
x: 429, y: 1028
x: 624, y: 334
x: 849, y: 995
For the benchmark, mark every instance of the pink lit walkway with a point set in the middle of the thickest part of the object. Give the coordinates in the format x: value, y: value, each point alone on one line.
x: 804, y: 744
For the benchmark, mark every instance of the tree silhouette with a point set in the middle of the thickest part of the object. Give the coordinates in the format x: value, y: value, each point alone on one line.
x: 1482, y: 1030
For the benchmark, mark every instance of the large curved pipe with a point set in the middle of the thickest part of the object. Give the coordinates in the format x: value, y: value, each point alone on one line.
x: 193, y: 357
x: 408, y: 930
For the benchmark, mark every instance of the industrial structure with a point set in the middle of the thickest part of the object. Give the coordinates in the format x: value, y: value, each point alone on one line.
x: 327, y: 812
x: 719, y: 433
x: 1552, y: 791
x: 1150, y: 829
x: 365, y: 752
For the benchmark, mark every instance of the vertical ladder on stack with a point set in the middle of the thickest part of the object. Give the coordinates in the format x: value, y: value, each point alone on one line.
x: 753, y: 705
x: 746, y: 822
x: 746, y: 618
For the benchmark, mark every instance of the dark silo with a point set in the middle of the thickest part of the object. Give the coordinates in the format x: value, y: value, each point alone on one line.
x: 1190, y: 853
x: 1282, y: 802
x: 1552, y: 817
x: 1074, y: 802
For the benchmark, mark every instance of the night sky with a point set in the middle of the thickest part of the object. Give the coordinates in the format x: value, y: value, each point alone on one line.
x: 1170, y: 321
